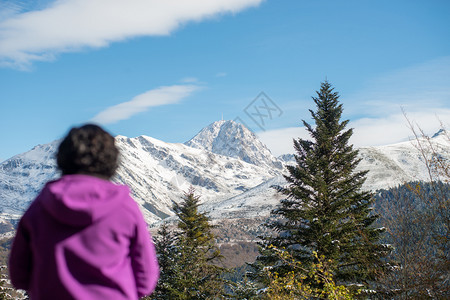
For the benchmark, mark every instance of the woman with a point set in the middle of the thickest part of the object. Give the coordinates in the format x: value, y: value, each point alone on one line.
x: 84, y: 237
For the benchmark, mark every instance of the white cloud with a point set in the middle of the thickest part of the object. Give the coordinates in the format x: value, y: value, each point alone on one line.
x: 156, y: 97
x: 280, y: 141
x: 71, y: 25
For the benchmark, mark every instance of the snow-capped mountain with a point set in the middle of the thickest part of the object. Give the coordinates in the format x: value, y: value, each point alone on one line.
x: 228, y: 166
x: 232, y: 139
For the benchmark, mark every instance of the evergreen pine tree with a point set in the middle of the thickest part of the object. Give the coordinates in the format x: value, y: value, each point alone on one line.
x: 187, y: 264
x: 325, y: 209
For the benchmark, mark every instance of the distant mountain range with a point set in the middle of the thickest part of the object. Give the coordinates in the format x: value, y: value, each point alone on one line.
x: 225, y: 162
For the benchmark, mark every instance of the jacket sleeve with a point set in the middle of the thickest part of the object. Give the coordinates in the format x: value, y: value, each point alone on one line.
x: 143, y: 259
x: 20, y: 259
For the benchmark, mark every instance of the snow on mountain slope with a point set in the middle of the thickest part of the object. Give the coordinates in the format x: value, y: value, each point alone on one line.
x: 234, y: 140
x: 23, y: 175
x: 256, y: 202
x: 159, y: 173
x: 395, y: 164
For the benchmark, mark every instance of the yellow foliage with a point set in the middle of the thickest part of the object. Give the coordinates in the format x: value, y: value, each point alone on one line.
x: 292, y: 284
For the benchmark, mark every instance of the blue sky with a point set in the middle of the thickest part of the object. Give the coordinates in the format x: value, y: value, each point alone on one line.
x: 167, y: 69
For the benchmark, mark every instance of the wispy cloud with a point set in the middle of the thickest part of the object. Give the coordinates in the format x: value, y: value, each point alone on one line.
x: 71, y: 25
x: 160, y: 96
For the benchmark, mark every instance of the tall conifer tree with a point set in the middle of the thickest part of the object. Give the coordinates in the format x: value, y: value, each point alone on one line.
x: 325, y: 209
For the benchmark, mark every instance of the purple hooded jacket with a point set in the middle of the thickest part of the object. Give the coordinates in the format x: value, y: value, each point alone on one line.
x: 83, y: 238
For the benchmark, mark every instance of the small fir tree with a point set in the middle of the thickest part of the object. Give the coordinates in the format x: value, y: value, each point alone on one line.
x: 325, y: 210
x: 187, y: 264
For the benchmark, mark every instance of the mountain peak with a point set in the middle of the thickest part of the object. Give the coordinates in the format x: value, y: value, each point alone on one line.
x: 222, y: 130
x: 232, y: 139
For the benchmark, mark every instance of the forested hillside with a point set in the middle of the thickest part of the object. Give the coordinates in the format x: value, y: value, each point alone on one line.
x: 417, y: 229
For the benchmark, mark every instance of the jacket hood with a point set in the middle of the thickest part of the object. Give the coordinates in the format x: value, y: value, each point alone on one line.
x: 80, y: 200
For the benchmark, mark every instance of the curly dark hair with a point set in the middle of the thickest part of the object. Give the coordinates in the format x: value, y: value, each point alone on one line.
x: 88, y: 150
